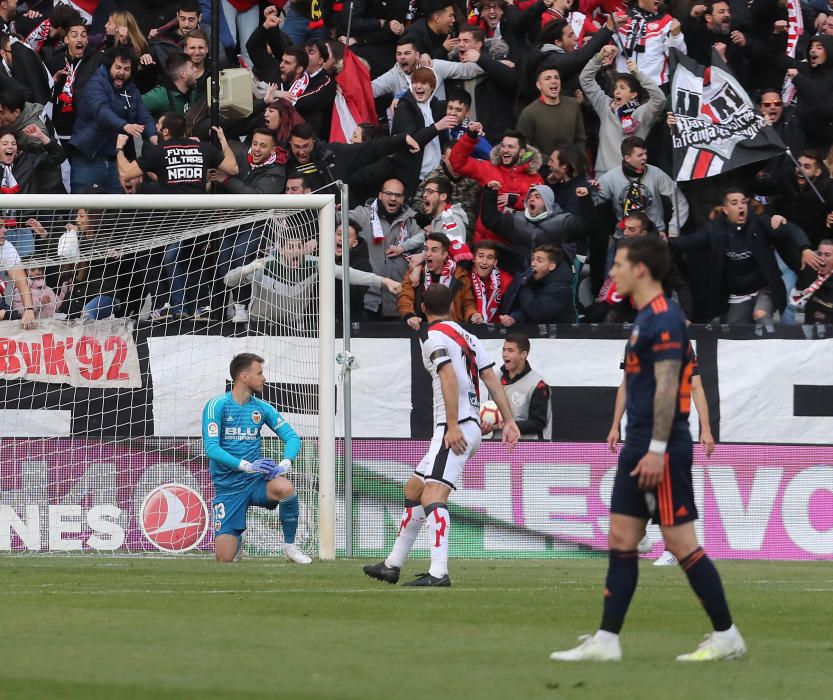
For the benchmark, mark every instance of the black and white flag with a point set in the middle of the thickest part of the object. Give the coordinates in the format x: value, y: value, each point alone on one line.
x: 718, y: 128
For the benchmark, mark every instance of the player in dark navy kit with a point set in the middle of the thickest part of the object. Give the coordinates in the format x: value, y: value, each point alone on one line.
x: 653, y: 479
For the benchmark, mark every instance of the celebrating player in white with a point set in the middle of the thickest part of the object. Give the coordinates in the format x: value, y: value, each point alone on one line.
x: 455, y: 359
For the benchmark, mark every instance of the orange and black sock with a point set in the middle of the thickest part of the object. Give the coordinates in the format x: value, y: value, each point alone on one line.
x: 704, y: 579
x: 622, y: 575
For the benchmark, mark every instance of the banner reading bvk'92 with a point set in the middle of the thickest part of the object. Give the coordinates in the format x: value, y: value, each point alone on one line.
x: 718, y: 128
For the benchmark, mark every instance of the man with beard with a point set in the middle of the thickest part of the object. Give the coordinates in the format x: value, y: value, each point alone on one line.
x: 196, y: 48
x: 647, y: 37
x: 71, y: 65
x: 512, y: 164
x: 488, y: 282
x: 398, y: 79
x: 445, y: 217
x: 464, y: 190
x: 112, y: 105
x: 796, y: 199
x: 745, y: 284
x: 711, y: 26
x: 387, y: 225
x: 439, y: 267
x: 180, y: 93
x: 311, y: 93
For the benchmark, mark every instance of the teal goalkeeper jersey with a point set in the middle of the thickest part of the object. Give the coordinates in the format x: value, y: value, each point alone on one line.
x: 231, y: 432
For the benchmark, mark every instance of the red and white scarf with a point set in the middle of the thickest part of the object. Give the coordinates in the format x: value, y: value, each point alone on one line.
x: 795, y: 28
x: 39, y: 36
x: 446, y: 274
x: 273, y: 158
x: 488, y: 296
x: 299, y: 87
x: 800, y: 297
x: 67, y: 92
x: 8, y: 183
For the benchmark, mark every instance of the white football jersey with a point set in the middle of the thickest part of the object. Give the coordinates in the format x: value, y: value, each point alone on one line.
x: 448, y: 342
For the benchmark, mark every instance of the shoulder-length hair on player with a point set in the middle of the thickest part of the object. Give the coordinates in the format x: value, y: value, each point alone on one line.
x: 651, y: 252
x: 240, y: 363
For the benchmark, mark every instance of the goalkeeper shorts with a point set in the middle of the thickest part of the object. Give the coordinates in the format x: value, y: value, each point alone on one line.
x: 230, y: 508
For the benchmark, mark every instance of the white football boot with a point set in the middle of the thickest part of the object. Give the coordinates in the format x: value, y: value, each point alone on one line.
x: 666, y: 559
x: 591, y: 649
x: 718, y: 646
x: 293, y: 553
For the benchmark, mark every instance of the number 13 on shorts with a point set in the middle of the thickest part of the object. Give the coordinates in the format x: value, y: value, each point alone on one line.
x: 219, y: 514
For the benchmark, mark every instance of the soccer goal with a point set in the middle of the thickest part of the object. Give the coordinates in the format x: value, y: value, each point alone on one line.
x: 141, y: 301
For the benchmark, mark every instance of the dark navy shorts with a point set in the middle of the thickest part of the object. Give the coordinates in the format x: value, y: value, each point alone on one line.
x: 671, y: 503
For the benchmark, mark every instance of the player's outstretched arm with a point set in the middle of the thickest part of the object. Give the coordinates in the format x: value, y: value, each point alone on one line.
x: 667, y: 378
x: 510, y: 432
x: 454, y: 438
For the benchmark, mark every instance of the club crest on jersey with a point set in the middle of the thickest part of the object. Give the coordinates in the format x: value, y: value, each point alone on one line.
x: 634, y: 336
x: 256, y: 417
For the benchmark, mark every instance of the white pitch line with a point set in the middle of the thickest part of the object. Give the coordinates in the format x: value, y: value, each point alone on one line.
x: 277, y: 589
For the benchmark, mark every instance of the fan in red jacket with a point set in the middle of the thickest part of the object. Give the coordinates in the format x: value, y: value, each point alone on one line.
x: 512, y: 163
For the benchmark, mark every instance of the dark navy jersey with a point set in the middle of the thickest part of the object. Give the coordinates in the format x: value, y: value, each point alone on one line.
x: 659, y: 333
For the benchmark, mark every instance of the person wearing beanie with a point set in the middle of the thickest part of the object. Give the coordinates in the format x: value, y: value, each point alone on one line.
x: 541, y: 222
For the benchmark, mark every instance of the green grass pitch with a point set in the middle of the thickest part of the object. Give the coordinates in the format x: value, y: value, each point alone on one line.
x: 92, y: 627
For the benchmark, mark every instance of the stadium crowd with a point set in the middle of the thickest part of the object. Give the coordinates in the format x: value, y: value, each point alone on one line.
x: 505, y: 147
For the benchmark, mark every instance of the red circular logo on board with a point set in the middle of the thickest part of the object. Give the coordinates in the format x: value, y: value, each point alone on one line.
x: 174, y: 518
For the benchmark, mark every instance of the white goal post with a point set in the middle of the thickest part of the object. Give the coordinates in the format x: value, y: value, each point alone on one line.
x: 209, y: 214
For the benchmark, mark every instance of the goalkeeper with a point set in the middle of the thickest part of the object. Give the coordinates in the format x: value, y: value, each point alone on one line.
x: 231, y: 426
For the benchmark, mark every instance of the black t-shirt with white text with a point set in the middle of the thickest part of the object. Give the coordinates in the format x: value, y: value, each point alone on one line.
x: 742, y: 272
x: 181, y: 165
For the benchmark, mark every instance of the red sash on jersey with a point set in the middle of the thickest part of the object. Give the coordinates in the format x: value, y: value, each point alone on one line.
x: 468, y: 353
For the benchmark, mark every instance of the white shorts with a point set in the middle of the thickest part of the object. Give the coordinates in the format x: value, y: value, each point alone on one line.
x: 441, y: 464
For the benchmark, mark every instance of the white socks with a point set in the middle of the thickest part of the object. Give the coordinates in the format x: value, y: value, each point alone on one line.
x: 409, y: 527
x: 439, y: 525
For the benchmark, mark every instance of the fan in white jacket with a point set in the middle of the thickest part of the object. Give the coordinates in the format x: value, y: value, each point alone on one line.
x: 646, y: 39
x: 398, y: 79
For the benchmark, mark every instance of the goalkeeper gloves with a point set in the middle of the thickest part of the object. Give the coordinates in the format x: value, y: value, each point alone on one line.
x: 259, y: 466
x: 267, y: 467
x: 281, y: 469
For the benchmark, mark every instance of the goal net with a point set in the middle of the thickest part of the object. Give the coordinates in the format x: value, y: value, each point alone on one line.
x: 140, y: 303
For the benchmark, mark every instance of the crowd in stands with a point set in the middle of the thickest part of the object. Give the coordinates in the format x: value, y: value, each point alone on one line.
x: 510, y: 145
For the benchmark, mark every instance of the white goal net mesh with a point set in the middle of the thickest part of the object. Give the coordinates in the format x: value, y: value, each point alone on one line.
x: 138, y: 312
